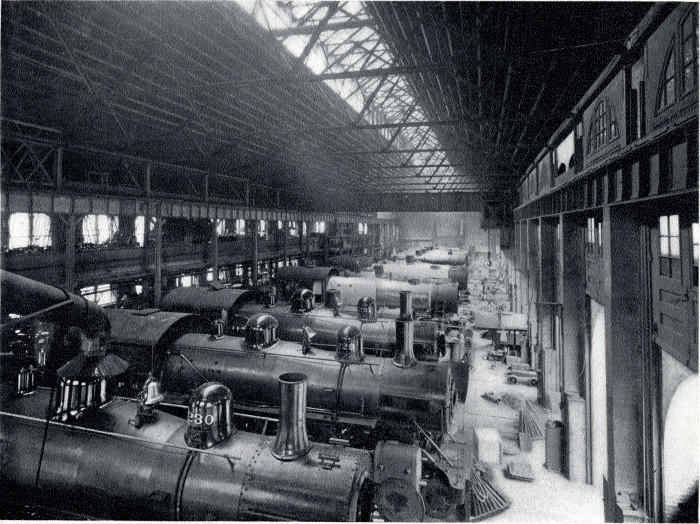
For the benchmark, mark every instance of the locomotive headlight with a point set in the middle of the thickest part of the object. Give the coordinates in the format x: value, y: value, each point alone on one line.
x: 434, y: 407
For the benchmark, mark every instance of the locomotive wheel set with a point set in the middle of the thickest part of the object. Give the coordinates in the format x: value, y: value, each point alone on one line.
x: 129, y: 458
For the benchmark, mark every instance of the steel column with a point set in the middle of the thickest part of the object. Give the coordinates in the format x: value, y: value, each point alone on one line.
x: 69, y: 262
x: 158, y: 259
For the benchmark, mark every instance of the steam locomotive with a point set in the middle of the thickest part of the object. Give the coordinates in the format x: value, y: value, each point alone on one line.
x: 420, y: 272
x: 431, y: 299
x: 98, y: 464
x: 378, y: 335
x: 236, y: 306
x: 362, y: 397
x: 83, y: 453
x: 121, y: 458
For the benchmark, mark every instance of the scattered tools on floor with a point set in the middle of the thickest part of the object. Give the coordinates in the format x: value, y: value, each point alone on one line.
x: 525, y: 442
x: 510, y: 449
x: 530, y: 423
x: 519, y: 470
x: 486, y: 499
x: 537, y: 409
x: 492, y: 397
x: 512, y: 401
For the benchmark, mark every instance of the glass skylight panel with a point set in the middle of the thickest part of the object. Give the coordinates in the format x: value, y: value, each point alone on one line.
x: 350, y: 49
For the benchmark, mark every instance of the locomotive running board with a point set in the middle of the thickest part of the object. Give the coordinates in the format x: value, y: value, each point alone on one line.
x: 180, y: 401
x: 273, y: 412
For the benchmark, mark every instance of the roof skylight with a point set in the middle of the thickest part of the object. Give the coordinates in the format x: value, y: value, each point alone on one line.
x: 352, y: 44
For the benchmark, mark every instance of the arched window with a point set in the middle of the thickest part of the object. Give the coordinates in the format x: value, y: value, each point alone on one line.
x: 689, y: 31
x: 603, y: 127
x: 667, y: 85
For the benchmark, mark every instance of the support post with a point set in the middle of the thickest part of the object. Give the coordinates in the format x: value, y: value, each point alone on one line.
x: 58, y: 167
x: 285, y: 244
x: 215, y: 249
x: 69, y: 262
x: 255, y: 253
x: 147, y: 181
x: 158, y: 259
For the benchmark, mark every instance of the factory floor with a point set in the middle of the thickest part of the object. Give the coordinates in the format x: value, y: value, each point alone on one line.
x: 550, y: 497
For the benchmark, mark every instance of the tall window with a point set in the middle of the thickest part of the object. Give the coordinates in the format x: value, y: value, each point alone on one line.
x: 139, y: 229
x: 103, y: 294
x: 262, y: 229
x: 99, y: 229
x: 603, y: 128
x: 669, y: 247
x: 594, y: 237
x: 293, y: 228
x: 29, y: 229
x: 667, y: 86
x: 226, y: 228
x: 564, y: 154
x: 304, y: 231
x: 319, y: 227
x: 689, y: 31
x: 187, y: 281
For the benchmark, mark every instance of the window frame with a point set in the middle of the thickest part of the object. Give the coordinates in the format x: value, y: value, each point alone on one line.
x: 693, y: 37
x: 44, y: 241
x: 669, y: 62
x: 670, y: 265
x: 602, y: 134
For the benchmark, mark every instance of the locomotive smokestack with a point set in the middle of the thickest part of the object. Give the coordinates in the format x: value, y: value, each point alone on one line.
x: 404, y: 357
x: 292, y: 442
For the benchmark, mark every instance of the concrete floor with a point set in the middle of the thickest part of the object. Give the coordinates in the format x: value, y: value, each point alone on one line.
x: 550, y: 497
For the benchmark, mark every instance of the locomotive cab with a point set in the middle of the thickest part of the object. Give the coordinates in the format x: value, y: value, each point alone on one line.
x: 261, y: 331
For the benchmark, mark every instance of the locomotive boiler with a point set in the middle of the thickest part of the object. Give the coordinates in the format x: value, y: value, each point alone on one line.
x: 98, y: 464
x: 420, y: 272
x: 445, y: 256
x: 430, y: 299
